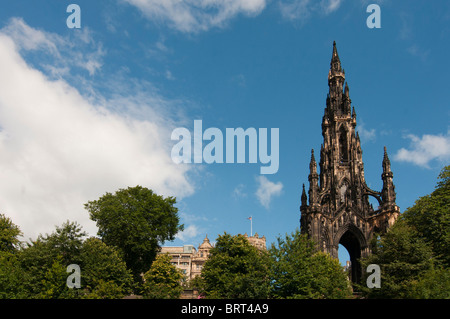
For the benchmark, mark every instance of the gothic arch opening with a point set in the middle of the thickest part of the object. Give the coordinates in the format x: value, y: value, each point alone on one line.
x: 353, y: 242
x: 343, y: 256
x: 374, y: 202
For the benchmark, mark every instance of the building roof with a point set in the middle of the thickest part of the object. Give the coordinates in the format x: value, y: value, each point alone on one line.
x: 206, y: 244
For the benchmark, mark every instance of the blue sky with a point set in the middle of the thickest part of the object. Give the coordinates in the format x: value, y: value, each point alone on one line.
x: 91, y: 110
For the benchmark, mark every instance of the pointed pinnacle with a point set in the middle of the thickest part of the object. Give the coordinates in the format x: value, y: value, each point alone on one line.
x: 386, y: 159
x: 335, y: 53
x: 312, y: 155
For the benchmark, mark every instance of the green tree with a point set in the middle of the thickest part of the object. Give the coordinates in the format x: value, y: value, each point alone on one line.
x: 414, y: 255
x: 53, y: 284
x: 39, y: 268
x: 235, y: 269
x: 105, y: 290
x: 299, y: 271
x: 137, y: 221
x: 162, y: 280
x: 430, y: 216
x: 104, y: 274
x: 45, y: 260
x: 403, y: 257
x: 12, y: 276
x: 9, y: 234
x: 432, y: 284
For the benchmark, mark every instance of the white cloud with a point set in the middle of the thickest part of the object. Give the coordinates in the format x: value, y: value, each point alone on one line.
x: 329, y: 6
x: 191, y: 224
x: 188, y: 233
x: 59, y: 149
x: 266, y: 190
x: 426, y: 149
x: 239, y: 191
x: 197, y: 15
x: 366, y: 134
x: 79, y: 51
x: 295, y: 10
x: 169, y: 75
x: 416, y: 51
x: 301, y: 10
x: 32, y: 39
x: 202, y: 15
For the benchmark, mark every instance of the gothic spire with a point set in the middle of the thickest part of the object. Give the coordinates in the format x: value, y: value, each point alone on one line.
x: 304, y: 198
x: 313, y: 181
x: 335, y: 64
x: 386, y: 162
x: 336, y: 79
x: 312, y: 163
x: 388, y: 191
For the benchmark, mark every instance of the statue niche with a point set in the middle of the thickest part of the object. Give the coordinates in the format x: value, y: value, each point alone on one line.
x: 343, y: 146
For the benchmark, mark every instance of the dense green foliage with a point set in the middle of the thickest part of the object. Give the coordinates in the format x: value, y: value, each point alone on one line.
x: 430, y: 216
x: 38, y: 269
x: 235, y: 269
x: 136, y: 221
x: 299, y: 271
x: 403, y: 257
x: 9, y: 234
x: 162, y: 280
x: 293, y: 269
x: 104, y: 272
x: 414, y: 254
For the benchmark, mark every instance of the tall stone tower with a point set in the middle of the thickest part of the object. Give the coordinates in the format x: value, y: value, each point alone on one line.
x: 339, y: 211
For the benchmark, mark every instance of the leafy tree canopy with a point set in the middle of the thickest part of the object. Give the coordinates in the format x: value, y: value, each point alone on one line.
x: 235, y: 269
x: 39, y: 268
x: 9, y: 234
x: 430, y: 216
x: 162, y: 280
x: 299, y: 271
x: 104, y: 273
x: 414, y: 254
x: 403, y: 257
x: 137, y: 221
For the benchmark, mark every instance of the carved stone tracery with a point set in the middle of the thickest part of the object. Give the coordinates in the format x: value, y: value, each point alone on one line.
x: 339, y: 211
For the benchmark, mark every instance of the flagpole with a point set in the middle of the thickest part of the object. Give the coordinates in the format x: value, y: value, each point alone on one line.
x: 251, y: 225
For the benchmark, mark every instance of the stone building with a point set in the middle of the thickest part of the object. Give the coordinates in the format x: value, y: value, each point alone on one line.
x: 188, y: 259
x: 181, y: 257
x: 199, y: 259
x: 339, y: 211
x: 258, y: 242
x: 191, y: 260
